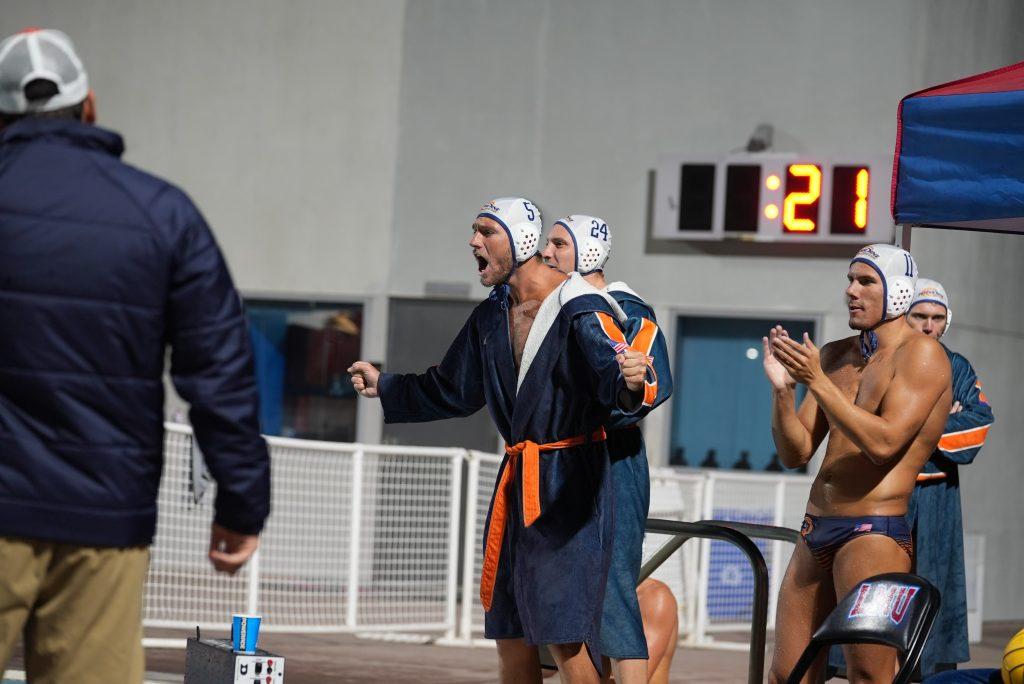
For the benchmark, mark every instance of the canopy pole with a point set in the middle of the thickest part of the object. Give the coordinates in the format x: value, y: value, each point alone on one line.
x: 902, y: 236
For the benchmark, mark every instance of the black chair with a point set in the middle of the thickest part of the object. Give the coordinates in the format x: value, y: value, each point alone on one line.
x: 893, y: 609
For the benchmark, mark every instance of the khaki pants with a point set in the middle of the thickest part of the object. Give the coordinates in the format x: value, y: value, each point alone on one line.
x: 79, y: 609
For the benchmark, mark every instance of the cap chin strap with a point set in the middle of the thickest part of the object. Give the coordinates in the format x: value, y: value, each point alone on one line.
x: 869, y: 339
x: 868, y: 343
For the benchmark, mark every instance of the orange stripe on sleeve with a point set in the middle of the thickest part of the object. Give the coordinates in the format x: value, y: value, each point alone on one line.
x: 609, y: 327
x: 650, y: 393
x: 643, y: 341
x: 981, y: 392
x: 965, y: 439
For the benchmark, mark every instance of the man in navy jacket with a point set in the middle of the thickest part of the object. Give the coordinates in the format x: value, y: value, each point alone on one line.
x: 102, y: 266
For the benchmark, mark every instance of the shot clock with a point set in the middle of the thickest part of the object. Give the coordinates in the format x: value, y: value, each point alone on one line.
x: 773, y: 197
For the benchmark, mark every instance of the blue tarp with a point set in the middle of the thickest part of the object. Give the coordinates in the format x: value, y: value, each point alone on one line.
x: 960, y: 154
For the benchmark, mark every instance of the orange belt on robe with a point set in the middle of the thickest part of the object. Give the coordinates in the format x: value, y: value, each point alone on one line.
x: 529, y: 453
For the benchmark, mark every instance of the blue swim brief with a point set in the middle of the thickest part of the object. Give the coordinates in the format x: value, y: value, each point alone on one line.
x: 825, y: 535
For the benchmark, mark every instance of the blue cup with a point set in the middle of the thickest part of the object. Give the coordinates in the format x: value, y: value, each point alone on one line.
x: 245, y: 632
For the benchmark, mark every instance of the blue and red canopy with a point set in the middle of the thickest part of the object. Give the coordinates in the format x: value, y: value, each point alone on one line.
x: 960, y: 154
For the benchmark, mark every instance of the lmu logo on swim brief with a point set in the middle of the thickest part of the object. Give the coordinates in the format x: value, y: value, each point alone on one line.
x: 880, y: 599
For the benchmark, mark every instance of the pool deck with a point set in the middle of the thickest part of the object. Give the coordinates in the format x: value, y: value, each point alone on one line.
x: 343, y: 658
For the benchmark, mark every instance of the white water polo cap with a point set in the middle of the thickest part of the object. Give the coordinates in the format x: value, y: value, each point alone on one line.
x: 898, y: 271
x: 931, y: 292
x: 521, y: 220
x: 592, y: 240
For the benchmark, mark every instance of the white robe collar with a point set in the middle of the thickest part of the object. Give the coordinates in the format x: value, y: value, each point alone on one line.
x: 572, y: 288
x: 619, y: 286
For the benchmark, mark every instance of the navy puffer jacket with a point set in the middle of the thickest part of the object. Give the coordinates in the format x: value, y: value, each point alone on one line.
x: 102, y: 267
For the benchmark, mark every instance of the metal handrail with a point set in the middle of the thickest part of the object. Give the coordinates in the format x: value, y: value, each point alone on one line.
x: 682, y: 531
x: 757, y: 531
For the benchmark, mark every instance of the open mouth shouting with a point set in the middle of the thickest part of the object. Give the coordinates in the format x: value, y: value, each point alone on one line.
x: 481, y: 263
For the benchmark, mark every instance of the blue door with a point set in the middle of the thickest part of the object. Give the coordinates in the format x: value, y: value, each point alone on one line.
x: 722, y: 401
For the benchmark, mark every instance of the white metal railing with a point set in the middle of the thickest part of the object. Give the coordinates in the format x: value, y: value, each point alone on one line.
x: 481, y: 474
x: 362, y: 538
x: 374, y: 538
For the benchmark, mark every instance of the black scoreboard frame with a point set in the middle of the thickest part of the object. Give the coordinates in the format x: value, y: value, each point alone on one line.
x: 733, y: 198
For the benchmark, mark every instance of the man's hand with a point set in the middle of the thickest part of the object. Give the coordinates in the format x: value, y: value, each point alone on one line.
x: 229, y: 550
x: 802, y: 361
x: 778, y: 376
x: 955, y: 408
x: 364, y: 378
x: 633, y: 366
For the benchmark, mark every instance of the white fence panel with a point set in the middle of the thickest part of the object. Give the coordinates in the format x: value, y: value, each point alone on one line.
x: 407, y: 554
x: 677, y: 495
x: 305, y: 550
x: 974, y: 566
x: 182, y: 589
x: 362, y: 538
x: 483, y: 473
x: 727, y: 576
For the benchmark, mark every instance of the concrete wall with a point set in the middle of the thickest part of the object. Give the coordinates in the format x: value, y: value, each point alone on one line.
x: 340, y: 149
x: 279, y: 118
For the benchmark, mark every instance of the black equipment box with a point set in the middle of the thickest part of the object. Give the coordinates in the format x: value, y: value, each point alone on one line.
x: 212, y: 661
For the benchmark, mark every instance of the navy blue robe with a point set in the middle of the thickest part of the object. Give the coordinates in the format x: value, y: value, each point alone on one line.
x: 550, y: 578
x: 622, y: 630
x: 935, y: 516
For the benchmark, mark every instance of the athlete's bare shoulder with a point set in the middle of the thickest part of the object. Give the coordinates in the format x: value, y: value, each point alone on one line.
x: 919, y: 352
x: 839, y: 353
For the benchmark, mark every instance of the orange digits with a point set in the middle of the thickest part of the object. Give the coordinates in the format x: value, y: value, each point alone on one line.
x: 860, y: 209
x: 794, y: 199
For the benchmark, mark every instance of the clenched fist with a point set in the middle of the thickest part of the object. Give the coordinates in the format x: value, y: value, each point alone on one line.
x: 230, y: 550
x: 633, y: 366
x: 364, y: 378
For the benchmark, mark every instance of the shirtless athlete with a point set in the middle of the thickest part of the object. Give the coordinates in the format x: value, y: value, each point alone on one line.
x: 882, y: 398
